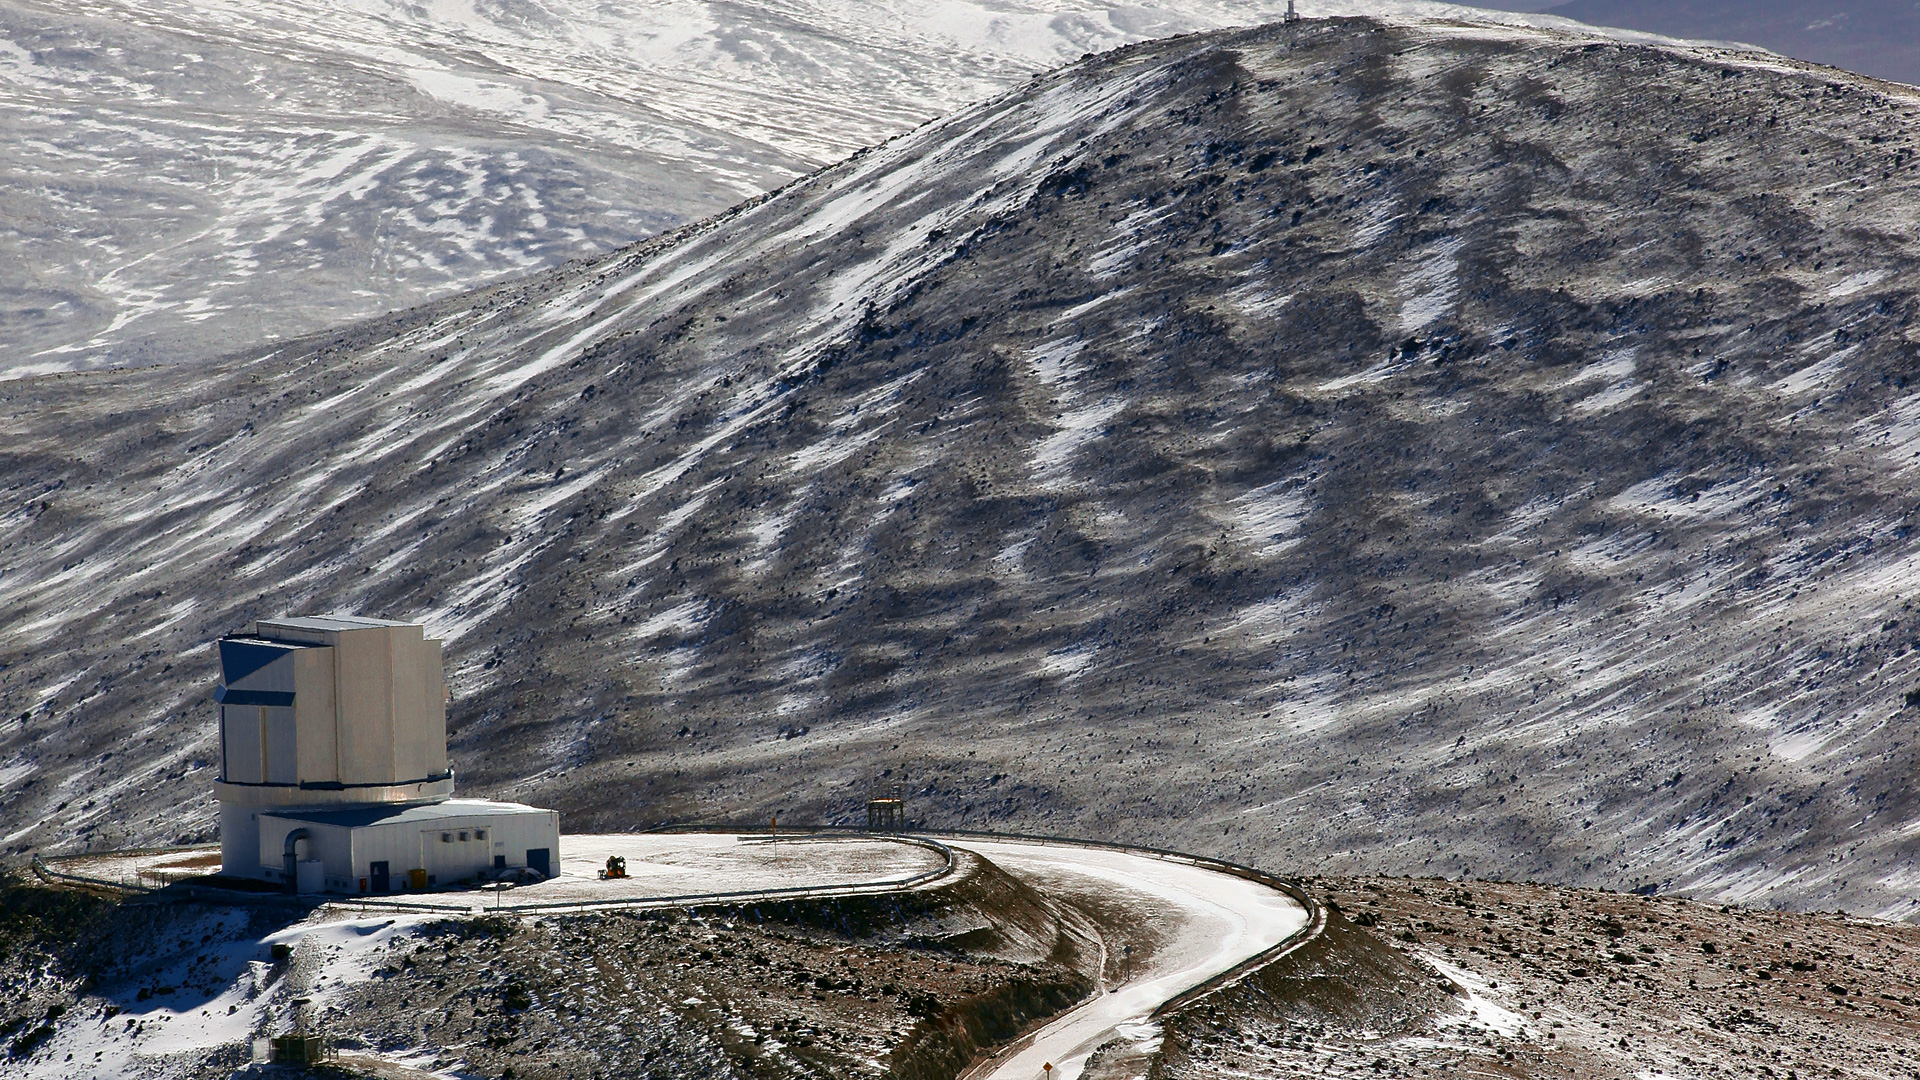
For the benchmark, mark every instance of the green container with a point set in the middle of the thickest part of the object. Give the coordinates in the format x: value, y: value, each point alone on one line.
x: 297, y: 1049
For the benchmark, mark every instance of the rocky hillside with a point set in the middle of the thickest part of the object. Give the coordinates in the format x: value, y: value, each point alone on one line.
x: 1432, y: 447
x: 875, y: 986
x: 1568, y: 984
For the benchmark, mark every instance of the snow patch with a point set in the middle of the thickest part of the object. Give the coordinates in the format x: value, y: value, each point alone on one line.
x: 1857, y: 283
x: 1476, y: 1001
x: 1257, y: 300
x: 682, y: 618
x: 1610, y: 398
x: 1070, y: 661
x: 1269, y: 518
x: 1816, y: 376
x: 1377, y: 373
x: 1617, y: 365
x: 1078, y: 427
x: 15, y: 770
x: 1896, y: 431
x: 1053, y: 362
x: 1428, y: 290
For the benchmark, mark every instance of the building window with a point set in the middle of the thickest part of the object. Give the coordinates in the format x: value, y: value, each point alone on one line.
x: 446, y: 838
x: 479, y: 834
x: 463, y: 836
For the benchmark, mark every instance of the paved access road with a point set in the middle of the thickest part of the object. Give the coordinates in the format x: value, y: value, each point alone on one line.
x: 1205, y: 922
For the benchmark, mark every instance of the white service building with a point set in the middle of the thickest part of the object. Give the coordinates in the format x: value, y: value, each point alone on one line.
x: 333, y: 764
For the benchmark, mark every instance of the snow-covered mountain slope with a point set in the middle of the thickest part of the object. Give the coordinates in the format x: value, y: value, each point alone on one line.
x: 1442, y: 448
x: 185, y: 177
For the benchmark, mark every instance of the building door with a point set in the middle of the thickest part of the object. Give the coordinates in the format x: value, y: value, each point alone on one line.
x: 537, y: 860
x: 377, y: 873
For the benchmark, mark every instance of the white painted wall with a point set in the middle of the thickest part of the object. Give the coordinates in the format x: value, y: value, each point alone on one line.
x: 348, y: 854
x: 239, y: 841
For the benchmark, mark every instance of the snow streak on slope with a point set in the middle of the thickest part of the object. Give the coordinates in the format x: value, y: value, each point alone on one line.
x: 1080, y: 460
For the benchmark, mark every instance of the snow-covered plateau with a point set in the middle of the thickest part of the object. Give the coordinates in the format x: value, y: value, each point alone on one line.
x: 1432, y: 446
x: 187, y: 177
x: 184, y: 178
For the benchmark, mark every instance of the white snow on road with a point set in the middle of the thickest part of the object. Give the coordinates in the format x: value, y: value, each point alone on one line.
x: 1215, y: 920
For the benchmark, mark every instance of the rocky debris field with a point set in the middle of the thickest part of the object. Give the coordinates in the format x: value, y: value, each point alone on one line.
x: 1413, y: 977
x: 658, y: 995
x: 1434, y: 448
x: 1554, y: 982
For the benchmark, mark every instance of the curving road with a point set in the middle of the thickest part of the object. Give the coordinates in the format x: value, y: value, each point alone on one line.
x: 1200, y: 923
x: 1183, y: 923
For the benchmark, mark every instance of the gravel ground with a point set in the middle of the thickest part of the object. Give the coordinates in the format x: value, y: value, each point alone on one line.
x: 654, y: 994
x: 1415, y: 977
x: 658, y: 865
x: 681, y: 864
x: 1575, y: 983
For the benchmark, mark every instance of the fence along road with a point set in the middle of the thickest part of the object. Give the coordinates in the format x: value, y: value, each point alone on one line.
x: 1221, y: 920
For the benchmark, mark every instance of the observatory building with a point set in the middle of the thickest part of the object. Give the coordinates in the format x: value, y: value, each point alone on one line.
x: 333, y: 765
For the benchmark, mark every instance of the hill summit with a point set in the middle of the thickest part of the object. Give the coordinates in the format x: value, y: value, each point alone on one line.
x: 1436, y: 447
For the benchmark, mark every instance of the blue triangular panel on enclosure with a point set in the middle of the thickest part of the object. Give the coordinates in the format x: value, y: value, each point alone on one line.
x: 239, y: 659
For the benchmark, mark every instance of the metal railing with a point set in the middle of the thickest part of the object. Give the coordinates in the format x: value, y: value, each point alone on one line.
x: 802, y: 892
x: 51, y: 876
x: 157, y: 885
